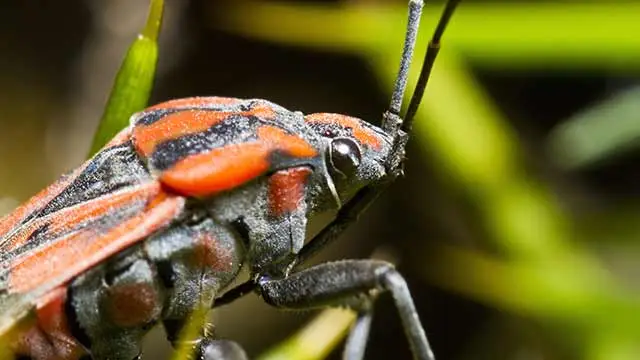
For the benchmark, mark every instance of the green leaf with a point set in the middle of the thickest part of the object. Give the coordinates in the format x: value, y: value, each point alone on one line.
x: 517, y: 35
x: 598, y: 133
x: 549, y: 274
x: 134, y: 81
x: 316, y: 340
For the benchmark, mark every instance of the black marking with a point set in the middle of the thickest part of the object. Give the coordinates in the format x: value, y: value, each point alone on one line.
x: 111, y: 276
x: 241, y: 227
x: 164, y: 269
x: 150, y: 117
x: 245, y: 107
x: 74, y: 324
x: 38, y: 236
x: 39, y: 231
x: 110, y: 170
x: 279, y: 160
x: 195, y: 212
x: 233, y: 130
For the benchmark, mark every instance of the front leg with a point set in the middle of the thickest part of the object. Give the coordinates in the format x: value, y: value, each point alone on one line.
x: 352, y: 283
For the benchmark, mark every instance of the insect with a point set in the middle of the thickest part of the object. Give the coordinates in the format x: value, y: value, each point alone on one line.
x: 160, y: 221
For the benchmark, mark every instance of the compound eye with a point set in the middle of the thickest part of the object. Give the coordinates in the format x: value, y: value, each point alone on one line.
x: 344, y: 156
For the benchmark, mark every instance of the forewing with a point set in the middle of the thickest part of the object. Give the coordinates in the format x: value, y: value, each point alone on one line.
x: 116, y: 222
x: 109, y: 203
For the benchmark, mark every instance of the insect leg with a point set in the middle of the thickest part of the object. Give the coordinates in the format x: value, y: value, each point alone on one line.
x: 351, y: 283
x: 358, y: 336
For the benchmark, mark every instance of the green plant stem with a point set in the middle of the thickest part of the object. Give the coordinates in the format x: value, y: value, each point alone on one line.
x: 134, y: 81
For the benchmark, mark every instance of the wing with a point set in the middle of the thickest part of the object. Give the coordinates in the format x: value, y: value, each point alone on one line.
x: 110, y: 203
x: 72, y: 188
x: 125, y: 218
x: 204, y: 146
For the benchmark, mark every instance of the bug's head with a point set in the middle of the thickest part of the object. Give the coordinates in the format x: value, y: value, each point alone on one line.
x: 355, y: 153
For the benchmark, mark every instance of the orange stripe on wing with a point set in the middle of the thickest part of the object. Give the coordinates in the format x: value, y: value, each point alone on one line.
x: 42, y: 198
x: 67, y: 257
x: 227, y: 167
x: 362, y: 134
x: 69, y: 218
x: 175, y: 125
x: 37, y: 202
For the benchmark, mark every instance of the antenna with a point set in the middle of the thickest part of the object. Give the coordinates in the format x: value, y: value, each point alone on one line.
x: 350, y: 211
x: 427, y: 65
x: 413, y: 23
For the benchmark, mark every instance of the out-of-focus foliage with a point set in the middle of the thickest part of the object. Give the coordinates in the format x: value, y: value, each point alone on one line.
x: 544, y: 271
x: 317, y: 339
x: 134, y: 81
x: 607, y: 129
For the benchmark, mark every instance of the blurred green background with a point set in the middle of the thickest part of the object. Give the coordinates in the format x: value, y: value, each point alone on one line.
x: 518, y: 223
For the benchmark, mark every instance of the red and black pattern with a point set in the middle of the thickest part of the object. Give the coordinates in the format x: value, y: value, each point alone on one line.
x: 166, y: 214
x: 162, y: 219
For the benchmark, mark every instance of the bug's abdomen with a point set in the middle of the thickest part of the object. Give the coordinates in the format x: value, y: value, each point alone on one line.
x: 165, y: 278
x: 112, y: 306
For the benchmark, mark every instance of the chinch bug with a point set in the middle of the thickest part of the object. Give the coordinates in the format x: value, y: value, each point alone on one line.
x: 161, y: 220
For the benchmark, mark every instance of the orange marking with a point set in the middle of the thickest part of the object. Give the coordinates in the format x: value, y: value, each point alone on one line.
x: 69, y: 218
x: 278, y: 139
x: 51, y: 336
x: 38, y: 201
x: 131, y: 305
x: 69, y: 256
x: 286, y: 190
x: 173, y: 126
x: 362, y: 134
x: 199, y: 102
x: 52, y: 320
x: 208, y: 253
x: 227, y: 167
x: 186, y: 122
x: 41, y: 199
x: 217, y: 170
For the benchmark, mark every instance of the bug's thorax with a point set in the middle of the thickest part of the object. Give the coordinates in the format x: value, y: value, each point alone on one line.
x: 258, y: 165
